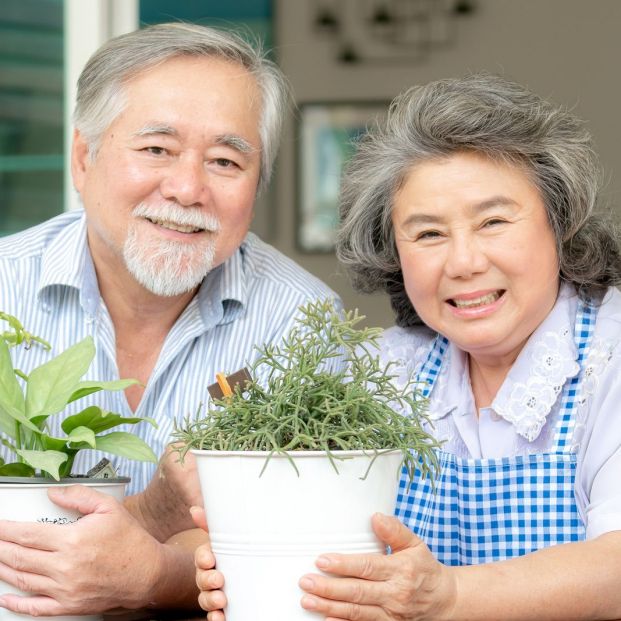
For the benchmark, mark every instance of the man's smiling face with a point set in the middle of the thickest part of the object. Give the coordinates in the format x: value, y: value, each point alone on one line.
x: 170, y: 192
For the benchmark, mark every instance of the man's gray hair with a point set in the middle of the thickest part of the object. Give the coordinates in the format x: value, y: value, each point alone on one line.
x: 101, y: 97
x: 504, y: 121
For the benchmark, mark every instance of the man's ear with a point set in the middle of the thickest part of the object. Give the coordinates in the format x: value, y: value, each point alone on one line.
x: 79, y: 160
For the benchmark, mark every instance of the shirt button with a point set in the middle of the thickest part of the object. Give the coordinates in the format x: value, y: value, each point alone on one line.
x: 495, y: 417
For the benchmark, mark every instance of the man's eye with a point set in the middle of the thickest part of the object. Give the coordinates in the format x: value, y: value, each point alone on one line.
x: 155, y: 150
x: 225, y: 163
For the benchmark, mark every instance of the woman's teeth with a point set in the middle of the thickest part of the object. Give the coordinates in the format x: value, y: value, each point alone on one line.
x: 484, y: 299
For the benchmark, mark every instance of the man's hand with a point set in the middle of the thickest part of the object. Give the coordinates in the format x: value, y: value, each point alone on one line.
x: 164, y: 507
x: 105, y: 560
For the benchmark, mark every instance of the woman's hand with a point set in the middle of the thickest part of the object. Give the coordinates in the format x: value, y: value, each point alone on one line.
x: 210, y: 581
x: 407, y: 584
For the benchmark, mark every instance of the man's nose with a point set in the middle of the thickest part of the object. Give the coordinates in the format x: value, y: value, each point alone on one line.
x: 185, y: 181
x: 466, y: 256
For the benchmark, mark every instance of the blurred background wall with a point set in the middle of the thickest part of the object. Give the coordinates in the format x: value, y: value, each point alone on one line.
x: 345, y: 60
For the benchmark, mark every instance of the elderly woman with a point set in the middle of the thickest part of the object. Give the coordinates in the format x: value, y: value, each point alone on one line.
x: 472, y: 207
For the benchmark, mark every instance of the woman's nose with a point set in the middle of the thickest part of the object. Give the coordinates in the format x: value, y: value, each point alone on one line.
x: 465, y: 257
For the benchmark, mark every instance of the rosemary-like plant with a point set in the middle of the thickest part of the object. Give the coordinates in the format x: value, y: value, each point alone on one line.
x: 306, y: 405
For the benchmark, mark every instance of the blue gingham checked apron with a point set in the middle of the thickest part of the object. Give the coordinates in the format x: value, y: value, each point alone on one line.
x: 485, y: 510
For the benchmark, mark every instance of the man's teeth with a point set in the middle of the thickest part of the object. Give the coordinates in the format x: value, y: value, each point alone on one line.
x: 484, y: 299
x: 182, y: 228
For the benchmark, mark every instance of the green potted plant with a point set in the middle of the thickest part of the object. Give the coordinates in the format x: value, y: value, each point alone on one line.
x: 295, y: 464
x: 41, y: 459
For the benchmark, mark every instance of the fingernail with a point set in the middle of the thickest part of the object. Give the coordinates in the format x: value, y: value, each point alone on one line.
x: 323, y: 562
x: 310, y: 603
x: 306, y: 583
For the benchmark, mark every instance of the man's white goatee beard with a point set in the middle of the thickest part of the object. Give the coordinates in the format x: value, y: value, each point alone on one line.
x: 166, y: 267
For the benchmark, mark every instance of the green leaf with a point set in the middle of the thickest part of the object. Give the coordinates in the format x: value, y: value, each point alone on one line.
x: 16, y: 470
x: 8, y: 444
x: 126, y: 445
x: 47, y: 461
x: 100, y: 420
x: 11, y: 395
x: 53, y: 444
x: 51, y: 385
x: 81, y: 437
x: 84, y: 389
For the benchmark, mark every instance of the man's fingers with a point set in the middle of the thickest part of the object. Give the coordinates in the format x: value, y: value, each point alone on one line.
x: 21, y: 558
x: 31, y: 534
x: 82, y: 499
x: 33, y: 606
x: 29, y: 582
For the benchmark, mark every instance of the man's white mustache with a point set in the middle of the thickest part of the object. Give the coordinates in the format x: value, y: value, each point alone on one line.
x: 182, y: 216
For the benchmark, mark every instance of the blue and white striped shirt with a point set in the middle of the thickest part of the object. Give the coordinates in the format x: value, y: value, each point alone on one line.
x: 48, y: 281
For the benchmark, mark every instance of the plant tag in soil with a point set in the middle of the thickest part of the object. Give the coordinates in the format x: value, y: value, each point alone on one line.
x: 241, y: 377
x: 102, y: 470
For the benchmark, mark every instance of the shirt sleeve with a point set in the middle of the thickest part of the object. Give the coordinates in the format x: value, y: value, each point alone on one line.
x: 598, y: 435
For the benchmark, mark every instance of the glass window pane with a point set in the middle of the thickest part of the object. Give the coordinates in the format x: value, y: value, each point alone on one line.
x: 31, y: 112
x: 254, y: 16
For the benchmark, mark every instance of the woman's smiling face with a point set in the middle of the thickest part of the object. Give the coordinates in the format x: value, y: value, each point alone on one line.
x: 477, y: 252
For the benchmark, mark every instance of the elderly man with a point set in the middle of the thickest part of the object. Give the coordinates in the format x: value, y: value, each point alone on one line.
x: 176, y: 126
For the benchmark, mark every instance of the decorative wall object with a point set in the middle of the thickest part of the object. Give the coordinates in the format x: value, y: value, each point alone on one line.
x: 387, y: 31
x: 327, y: 133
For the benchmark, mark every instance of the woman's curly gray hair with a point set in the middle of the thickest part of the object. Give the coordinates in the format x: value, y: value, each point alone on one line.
x: 504, y: 121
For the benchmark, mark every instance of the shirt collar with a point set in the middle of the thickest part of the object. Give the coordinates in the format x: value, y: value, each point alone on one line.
x: 223, y: 294
x: 67, y: 262
x: 544, y: 365
x: 535, y: 380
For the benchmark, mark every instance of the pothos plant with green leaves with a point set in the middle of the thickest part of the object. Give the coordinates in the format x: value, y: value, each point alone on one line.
x: 325, y: 389
x: 28, y: 400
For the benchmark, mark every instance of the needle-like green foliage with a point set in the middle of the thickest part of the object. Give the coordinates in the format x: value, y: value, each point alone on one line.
x: 308, y: 405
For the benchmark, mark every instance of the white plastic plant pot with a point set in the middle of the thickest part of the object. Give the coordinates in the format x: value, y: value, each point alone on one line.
x: 25, y: 500
x: 267, y: 529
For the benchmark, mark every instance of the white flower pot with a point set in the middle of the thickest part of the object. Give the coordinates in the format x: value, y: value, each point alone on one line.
x: 26, y: 500
x: 266, y: 531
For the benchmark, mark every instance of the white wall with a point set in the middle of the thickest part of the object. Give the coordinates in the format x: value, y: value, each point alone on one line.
x: 88, y: 25
x: 567, y: 50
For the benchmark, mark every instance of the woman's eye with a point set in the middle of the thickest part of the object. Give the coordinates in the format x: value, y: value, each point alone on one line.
x: 428, y: 235
x: 493, y: 221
